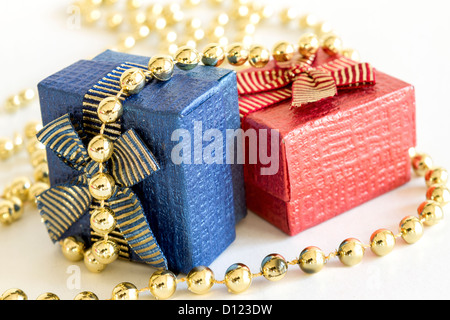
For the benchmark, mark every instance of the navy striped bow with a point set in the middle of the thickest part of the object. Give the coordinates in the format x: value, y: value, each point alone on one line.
x: 63, y: 205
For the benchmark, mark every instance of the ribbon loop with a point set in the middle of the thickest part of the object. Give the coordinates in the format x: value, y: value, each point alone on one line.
x: 62, y: 137
x: 131, y: 162
x: 259, y: 89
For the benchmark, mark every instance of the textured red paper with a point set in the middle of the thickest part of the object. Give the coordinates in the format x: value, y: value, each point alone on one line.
x: 334, y: 154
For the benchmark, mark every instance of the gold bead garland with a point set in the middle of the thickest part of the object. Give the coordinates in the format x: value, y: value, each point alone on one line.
x: 238, y: 277
x: 166, y: 20
x: 23, y: 189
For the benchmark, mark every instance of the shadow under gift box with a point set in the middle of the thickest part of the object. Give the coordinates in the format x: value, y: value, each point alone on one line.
x: 334, y: 154
x: 192, y: 208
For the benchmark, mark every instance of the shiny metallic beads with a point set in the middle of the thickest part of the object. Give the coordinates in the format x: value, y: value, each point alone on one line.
x: 162, y: 284
x: 274, y: 267
x: 311, y: 260
x: 102, y: 186
x: 125, y: 291
x: 213, y: 55
x: 105, y: 251
x: 187, y: 58
x: 411, y: 229
x: 100, y: 148
x: 161, y: 67
x: 133, y: 80
x: 382, y: 242
x: 259, y: 56
x: 351, y: 252
x: 238, y: 278
x: 110, y: 110
x: 237, y: 54
x: 72, y: 249
x: 200, y: 280
x: 103, y: 220
x: 283, y: 51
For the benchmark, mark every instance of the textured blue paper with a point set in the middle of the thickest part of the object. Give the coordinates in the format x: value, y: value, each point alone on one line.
x: 192, y: 208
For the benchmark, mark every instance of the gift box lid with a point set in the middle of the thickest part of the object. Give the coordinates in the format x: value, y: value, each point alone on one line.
x: 192, y: 209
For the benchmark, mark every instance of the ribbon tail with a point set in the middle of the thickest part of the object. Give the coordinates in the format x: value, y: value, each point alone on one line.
x: 132, y: 161
x: 312, y: 86
x: 61, y: 206
x: 135, y: 229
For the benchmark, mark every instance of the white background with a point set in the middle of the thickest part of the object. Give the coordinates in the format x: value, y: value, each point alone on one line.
x: 405, y: 38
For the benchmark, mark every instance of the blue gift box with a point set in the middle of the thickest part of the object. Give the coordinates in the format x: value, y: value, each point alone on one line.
x: 192, y: 207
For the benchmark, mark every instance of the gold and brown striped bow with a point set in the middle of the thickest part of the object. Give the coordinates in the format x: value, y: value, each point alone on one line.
x: 260, y: 88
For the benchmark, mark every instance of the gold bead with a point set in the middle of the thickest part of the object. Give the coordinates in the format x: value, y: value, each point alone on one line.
x: 126, y: 42
x: 322, y: 28
x: 100, y: 148
x: 18, y: 142
x: 105, y: 251
x: 103, y: 221
x: 134, y: 4
x: 13, y: 294
x: 13, y: 103
x: 72, y: 249
x: 47, y: 296
x: 133, y: 80
x: 289, y: 14
x: 18, y: 208
x: 187, y: 58
x: 162, y: 284
x: 259, y: 56
x: 125, y: 291
x: 213, y: 55
x: 38, y: 157
x: 114, y: 20
x: 439, y: 193
x: 102, y: 186
x: 91, y: 263
x: 283, y: 51
x: 352, y: 54
x: 36, y: 189
x: 382, y: 242
x: 437, y: 176
x: 237, y: 54
x: 19, y: 188
x: 41, y: 173
x: 200, y: 280
x: 238, y: 278
x: 6, y: 148
x: 222, y: 19
x: 274, y: 267
x: 308, y: 21
x: 332, y: 45
x: 421, y: 163
x: 430, y: 212
x: 351, y: 252
x: 110, y: 110
x: 32, y: 128
x: 6, y: 211
x: 161, y: 67
x: 86, y: 295
x: 34, y: 145
x: 308, y: 45
x: 311, y: 260
x: 411, y: 229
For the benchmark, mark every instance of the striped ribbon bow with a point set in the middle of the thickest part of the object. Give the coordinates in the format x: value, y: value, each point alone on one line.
x: 62, y: 206
x: 260, y: 88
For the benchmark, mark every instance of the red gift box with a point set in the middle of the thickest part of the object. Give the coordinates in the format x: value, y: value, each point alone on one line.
x: 334, y: 154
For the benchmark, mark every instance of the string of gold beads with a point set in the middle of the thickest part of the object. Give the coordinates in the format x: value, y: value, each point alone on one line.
x: 23, y: 189
x: 19, y: 100
x: 238, y: 277
x: 139, y: 21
